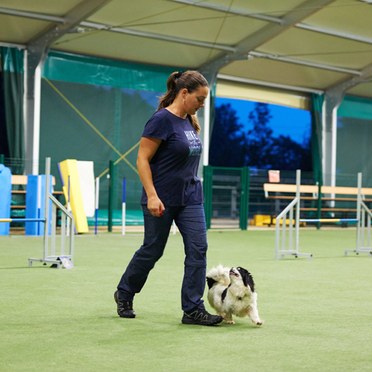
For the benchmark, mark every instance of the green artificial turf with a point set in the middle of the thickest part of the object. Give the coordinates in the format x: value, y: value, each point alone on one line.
x: 317, y: 312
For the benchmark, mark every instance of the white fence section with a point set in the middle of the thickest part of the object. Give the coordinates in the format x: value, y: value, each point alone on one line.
x: 58, y: 255
x: 287, y: 238
x: 364, y: 216
x: 287, y: 227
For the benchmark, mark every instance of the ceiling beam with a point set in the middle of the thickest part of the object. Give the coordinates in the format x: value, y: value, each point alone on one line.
x: 151, y: 35
x: 73, y: 18
x: 12, y: 45
x: 268, y: 84
x: 278, y: 20
x: 210, y: 6
x: 364, y: 77
x: 77, y: 15
x: 331, y: 32
x: 31, y: 15
x: 108, y: 28
x: 296, y: 61
x: 228, y: 10
x: 265, y: 34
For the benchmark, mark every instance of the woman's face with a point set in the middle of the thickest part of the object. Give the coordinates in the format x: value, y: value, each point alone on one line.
x: 195, y: 100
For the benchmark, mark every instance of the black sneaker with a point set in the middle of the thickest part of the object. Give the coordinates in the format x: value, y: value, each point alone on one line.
x: 125, y: 308
x: 201, y: 317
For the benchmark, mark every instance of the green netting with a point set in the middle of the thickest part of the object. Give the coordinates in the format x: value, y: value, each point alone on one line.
x: 354, y: 139
x: 356, y: 107
x: 97, y: 124
x: 132, y: 218
x: 95, y: 110
x: 11, y: 59
x: 316, y: 136
x: 11, y: 120
x: 96, y: 71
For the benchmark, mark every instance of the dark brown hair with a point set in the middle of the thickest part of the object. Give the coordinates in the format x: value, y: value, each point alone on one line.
x: 178, y: 80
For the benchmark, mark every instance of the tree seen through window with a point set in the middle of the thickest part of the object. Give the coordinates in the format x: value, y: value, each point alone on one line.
x: 255, y: 143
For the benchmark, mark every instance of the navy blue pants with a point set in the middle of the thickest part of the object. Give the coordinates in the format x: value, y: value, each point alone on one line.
x: 190, y: 221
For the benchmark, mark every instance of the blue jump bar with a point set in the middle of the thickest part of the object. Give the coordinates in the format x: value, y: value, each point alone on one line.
x: 22, y: 219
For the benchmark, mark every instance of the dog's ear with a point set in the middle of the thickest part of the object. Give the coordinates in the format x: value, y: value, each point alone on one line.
x: 247, y: 278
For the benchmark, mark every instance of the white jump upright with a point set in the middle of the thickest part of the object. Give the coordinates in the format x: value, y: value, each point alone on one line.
x: 288, y: 232
x: 364, y: 217
x: 287, y: 239
x: 56, y: 256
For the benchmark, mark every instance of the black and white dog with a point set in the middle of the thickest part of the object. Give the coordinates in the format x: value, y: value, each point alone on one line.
x: 231, y: 292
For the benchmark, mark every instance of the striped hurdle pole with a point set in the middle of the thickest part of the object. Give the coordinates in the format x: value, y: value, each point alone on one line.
x: 22, y: 220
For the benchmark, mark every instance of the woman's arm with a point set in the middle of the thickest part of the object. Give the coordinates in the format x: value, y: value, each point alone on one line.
x: 147, y: 149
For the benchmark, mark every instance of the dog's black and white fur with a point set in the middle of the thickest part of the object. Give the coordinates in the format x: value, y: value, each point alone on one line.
x: 231, y: 292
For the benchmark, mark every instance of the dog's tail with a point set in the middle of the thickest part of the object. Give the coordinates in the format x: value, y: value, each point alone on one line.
x: 218, y: 274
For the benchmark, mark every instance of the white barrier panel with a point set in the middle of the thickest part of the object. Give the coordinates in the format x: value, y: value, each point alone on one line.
x: 86, y: 178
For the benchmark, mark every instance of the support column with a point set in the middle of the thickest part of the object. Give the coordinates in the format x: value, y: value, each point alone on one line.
x: 332, y: 101
x: 33, y: 64
x: 206, y: 129
x: 211, y: 76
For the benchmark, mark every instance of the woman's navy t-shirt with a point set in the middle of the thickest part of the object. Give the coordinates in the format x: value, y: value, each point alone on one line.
x: 175, y: 165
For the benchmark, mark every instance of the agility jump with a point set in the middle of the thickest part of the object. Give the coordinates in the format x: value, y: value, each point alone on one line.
x: 50, y: 255
x: 288, y: 222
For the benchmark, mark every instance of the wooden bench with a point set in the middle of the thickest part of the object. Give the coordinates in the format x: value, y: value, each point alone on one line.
x: 317, y: 196
x: 289, y: 190
x: 21, y: 180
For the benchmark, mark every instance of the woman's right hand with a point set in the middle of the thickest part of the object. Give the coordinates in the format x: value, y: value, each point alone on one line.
x: 155, y: 206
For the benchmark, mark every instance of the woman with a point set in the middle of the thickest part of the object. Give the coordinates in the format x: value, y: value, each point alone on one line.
x: 167, y: 162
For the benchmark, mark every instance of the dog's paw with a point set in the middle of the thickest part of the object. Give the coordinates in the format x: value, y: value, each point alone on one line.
x: 229, y: 321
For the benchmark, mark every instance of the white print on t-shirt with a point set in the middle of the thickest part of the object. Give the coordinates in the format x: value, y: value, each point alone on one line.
x: 194, y: 146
